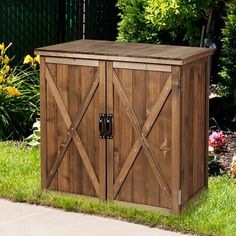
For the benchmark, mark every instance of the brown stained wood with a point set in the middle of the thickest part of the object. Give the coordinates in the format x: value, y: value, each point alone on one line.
x: 43, y: 115
x: 141, y: 66
x: 125, y: 139
x: 68, y: 61
x: 191, y: 131
x: 71, y: 126
x: 197, y: 129
x: 206, y: 123
x: 137, y: 128
x: 110, y: 143
x: 63, y: 168
x: 116, y: 51
x: 74, y: 104
x: 75, y: 136
x: 102, y: 143
x: 139, y: 83
x: 159, y: 144
x: 186, y: 134
x: 153, y: 94
x: 176, y: 139
x: 165, y: 132
x: 145, y: 131
x: 52, y: 134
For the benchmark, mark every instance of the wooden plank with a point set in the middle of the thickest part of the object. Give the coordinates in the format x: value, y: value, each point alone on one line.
x: 52, y: 141
x: 165, y: 131
x: 176, y: 139
x: 102, y: 142
x: 64, y: 167
x: 87, y: 133
x: 139, y: 86
x: 117, y: 50
x: 72, y: 61
x: 75, y: 110
x: 43, y: 115
x: 141, y: 66
x: 207, y: 83
x: 135, y: 123
x: 110, y: 143
x: 153, y: 94
x: 110, y: 58
x: 198, y: 104
x: 126, y: 137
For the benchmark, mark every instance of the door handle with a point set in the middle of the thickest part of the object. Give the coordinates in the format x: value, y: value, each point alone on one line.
x: 105, y: 126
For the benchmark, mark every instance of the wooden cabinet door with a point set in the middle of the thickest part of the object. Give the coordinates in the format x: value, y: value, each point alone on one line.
x: 139, y: 157
x: 73, y: 156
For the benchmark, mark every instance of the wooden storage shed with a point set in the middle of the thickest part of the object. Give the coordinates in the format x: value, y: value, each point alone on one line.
x: 125, y: 122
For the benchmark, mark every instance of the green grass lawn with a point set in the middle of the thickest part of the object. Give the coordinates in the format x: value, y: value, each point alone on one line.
x: 213, y: 213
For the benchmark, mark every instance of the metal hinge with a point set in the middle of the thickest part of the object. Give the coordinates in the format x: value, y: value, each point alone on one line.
x: 180, y: 86
x: 180, y: 197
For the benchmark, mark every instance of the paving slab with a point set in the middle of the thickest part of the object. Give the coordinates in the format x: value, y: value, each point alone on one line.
x: 20, y: 219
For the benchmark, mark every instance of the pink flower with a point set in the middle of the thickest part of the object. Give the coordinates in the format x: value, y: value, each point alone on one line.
x: 217, y: 140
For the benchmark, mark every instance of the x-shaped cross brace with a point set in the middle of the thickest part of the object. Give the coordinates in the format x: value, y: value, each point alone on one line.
x: 72, y: 131
x: 142, y: 133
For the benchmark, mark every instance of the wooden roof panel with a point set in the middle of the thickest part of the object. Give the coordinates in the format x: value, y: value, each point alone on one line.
x: 167, y: 54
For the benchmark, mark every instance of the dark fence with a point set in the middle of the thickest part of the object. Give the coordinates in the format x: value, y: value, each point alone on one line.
x: 29, y: 24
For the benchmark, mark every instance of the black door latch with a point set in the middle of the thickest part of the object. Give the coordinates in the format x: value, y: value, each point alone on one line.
x: 105, y: 126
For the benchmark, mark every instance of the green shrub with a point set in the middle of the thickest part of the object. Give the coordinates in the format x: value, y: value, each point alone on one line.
x: 19, y: 96
x: 162, y: 21
x: 228, y: 53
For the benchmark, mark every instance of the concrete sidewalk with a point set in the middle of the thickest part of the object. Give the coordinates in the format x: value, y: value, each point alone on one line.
x: 19, y: 219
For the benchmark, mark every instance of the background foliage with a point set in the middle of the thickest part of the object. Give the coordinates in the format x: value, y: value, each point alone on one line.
x: 163, y: 21
x: 228, y: 56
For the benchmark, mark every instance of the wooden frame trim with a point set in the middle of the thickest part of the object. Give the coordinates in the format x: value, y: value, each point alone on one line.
x: 143, y: 206
x: 141, y: 66
x: 176, y: 139
x: 102, y: 143
x: 110, y: 58
x: 43, y: 117
x: 70, y: 61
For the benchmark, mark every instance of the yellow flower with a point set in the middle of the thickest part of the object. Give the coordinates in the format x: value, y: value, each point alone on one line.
x: 28, y: 59
x: 2, y: 80
x: 6, y: 60
x: 2, y: 47
x: 37, y: 59
x: 13, y: 91
x: 6, y: 69
x: 1, y: 89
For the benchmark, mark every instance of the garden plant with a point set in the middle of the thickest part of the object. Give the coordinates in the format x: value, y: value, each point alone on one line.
x: 19, y: 95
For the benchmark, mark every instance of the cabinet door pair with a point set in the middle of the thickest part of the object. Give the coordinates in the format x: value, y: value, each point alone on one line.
x: 109, y: 129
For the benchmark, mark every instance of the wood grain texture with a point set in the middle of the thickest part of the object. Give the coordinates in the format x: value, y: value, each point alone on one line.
x: 43, y: 120
x: 160, y: 123
x: 52, y: 143
x: 176, y: 138
x: 133, y: 52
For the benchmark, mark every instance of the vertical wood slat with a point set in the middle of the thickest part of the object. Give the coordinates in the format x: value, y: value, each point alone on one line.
x: 176, y: 139
x: 102, y: 143
x: 207, y: 83
x: 110, y: 143
x: 63, y: 168
x: 74, y: 105
x: 43, y: 114
x: 139, y: 105
x: 52, y: 129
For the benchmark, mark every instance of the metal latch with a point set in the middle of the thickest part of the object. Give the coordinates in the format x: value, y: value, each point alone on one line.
x: 105, y: 126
